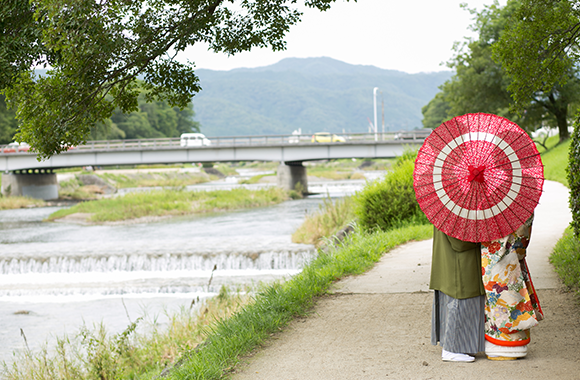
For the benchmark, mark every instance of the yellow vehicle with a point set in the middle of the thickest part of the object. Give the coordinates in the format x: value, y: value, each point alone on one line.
x: 325, y: 137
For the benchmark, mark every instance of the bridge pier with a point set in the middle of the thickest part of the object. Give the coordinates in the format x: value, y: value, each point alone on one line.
x: 292, y: 175
x: 39, y: 184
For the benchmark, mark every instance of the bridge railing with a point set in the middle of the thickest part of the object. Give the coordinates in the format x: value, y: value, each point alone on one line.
x: 228, y: 141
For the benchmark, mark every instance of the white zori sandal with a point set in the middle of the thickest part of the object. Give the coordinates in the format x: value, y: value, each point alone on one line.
x: 496, y: 352
x: 455, y: 357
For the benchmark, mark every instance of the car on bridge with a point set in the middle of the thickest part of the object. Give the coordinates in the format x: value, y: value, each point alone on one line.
x: 15, y: 147
x: 325, y: 137
x: 416, y: 134
x: 194, y: 139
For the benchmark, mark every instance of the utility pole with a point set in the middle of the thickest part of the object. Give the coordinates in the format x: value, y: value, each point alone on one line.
x: 383, y: 112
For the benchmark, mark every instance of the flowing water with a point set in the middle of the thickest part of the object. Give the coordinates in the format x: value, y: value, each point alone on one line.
x: 56, y: 276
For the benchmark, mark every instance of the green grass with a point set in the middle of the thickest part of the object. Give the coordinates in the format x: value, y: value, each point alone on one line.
x: 172, y: 202
x: 566, y: 260
x: 141, y: 351
x: 7, y: 203
x: 555, y: 160
x: 152, y: 179
x: 330, y: 217
x: 278, y: 304
x: 256, y: 178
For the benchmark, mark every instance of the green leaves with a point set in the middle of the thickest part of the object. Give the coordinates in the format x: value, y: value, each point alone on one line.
x: 493, y: 76
x: 98, y: 49
x: 539, y: 46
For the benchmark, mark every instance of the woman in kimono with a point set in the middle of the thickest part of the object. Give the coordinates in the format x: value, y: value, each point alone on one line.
x: 458, y: 319
x: 512, y: 306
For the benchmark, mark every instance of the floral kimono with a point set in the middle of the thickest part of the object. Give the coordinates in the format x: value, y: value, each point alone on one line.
x: 512, y: 305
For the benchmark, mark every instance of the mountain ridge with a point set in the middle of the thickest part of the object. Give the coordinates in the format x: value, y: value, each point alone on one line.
x: 314, y: 94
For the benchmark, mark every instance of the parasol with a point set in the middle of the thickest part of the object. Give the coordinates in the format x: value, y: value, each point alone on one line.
x: 478, y: 177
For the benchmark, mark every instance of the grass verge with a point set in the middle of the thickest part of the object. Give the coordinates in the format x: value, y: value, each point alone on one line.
x: 7, y: 203
x: 566, y: 260
x: 279, y: 303
x: 172, y: 202
x: 555, y: 161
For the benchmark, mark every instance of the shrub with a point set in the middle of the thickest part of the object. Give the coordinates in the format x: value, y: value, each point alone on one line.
x: 566, y: 260
x: 390, y: 202
x: 574, y: 176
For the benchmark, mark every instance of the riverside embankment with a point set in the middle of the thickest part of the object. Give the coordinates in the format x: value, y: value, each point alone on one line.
x: 55, y: 276
x: 377, y: 325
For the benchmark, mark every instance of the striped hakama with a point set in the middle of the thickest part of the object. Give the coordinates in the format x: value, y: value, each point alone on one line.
x: 458, y: 324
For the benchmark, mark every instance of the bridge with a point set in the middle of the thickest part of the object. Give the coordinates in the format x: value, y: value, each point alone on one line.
x: 22, y: 169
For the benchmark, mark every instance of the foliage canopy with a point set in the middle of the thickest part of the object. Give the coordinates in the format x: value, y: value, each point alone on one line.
x: 482, y: 84
x: 539, y: 49
x: 97, y: 49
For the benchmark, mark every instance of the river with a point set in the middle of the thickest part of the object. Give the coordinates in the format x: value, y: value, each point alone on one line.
x: 57, y: 276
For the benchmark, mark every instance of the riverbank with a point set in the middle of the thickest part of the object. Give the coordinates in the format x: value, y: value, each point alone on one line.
x: 156, y: 204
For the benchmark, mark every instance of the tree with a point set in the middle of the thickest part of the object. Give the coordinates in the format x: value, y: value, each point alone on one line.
x: 481, y: 84
x: 539, y: 49
x: 97, y: 48
x: 8, y: 123
x: 152, y: 120
x: 436, y: 111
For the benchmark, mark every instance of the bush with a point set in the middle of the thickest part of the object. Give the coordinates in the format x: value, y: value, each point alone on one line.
x: 574, y: 176
x: 566, y: 260
x: 390, y: 202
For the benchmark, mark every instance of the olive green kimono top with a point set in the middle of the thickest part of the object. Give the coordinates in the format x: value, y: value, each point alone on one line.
x: 456, y: 267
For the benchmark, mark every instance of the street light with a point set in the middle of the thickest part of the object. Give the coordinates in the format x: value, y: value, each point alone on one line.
x: 375, y: 104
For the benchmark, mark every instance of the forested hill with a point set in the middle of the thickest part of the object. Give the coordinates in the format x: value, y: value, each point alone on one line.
x: 315, y: 94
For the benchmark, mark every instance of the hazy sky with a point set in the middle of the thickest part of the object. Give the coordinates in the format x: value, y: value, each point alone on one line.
x: 406, y: 35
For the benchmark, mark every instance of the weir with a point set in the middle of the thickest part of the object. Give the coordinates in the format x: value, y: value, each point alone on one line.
x: 39, y: 184
x: 266, y: 260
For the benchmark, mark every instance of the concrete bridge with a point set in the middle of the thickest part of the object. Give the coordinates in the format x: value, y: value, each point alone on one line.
x: 23, y: 174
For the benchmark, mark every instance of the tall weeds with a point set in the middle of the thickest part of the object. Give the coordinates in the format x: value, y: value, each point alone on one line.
x: 142, y: 350
x: 330, y: 217
x: 7, y: 203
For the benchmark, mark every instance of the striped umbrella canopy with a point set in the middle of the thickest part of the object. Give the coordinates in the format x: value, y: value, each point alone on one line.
x: 478, y: 177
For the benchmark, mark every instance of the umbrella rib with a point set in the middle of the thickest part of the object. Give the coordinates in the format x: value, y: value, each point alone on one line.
x: 485, y: 223
x: 507, y: 208
x: 518, y: 159
x: 521, y: 184
x: 432, y: 183
x: 450, y: 212
x: 456, y: 155
x: 473, y: 195
x: 458, y: 158
x: 461, y: 208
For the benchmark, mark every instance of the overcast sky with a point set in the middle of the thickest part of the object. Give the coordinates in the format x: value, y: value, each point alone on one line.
x: 407, y: 35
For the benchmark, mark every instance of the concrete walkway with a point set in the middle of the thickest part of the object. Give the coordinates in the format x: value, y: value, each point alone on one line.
x: 377, y: 325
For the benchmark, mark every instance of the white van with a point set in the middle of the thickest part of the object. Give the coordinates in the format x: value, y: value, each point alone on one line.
x: 194, y: 139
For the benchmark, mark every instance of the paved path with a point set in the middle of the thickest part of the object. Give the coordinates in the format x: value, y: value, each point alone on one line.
x: 377, y: 325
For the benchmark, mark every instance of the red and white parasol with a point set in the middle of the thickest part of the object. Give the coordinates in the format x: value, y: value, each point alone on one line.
x: 478, y: 177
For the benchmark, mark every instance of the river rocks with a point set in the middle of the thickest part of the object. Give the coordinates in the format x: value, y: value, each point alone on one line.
x: 97, y: 182
x: 214, y: 171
